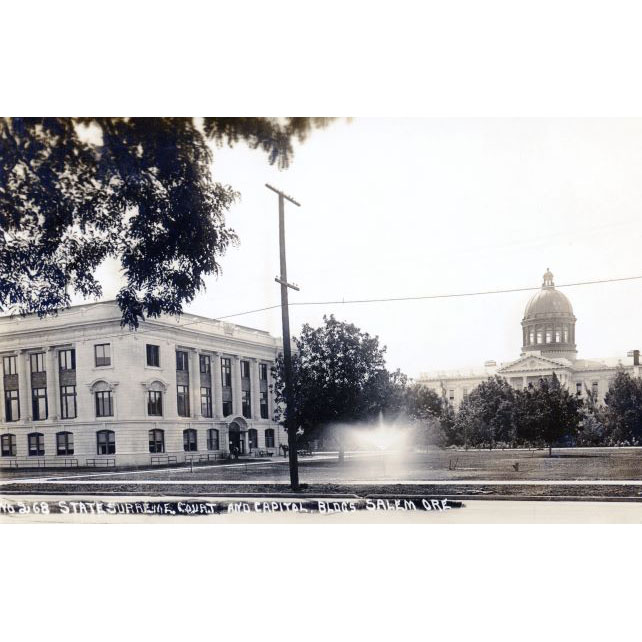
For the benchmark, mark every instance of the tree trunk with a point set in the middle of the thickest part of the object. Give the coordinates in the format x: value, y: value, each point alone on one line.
x: 550, y: 450
x: 342, y: 454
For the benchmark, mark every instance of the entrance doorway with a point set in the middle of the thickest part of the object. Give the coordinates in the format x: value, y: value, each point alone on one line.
x: 237, y: 438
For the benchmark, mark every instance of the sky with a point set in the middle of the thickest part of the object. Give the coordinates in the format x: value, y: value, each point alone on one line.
x: 399, y: 207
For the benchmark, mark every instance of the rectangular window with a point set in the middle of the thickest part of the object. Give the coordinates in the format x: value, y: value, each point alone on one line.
x: 64, y: 443
x: 245, y: 369
x: 67, y: 359
x: 10, y: 365
x: 156, y: 441
x: 578, y: 389
x: 37, y: 362
x: 155, y: 403
x: 105, y: 442
x: 549, y: 335
x: 182, y: 361
x: 189, y: 440
x: 182, y: 400
x: 264, y: 405
x: 558, y: 335
x: 595, y: 387
x: 226, y: 372
x: 269, y: 438
x: 8, y: 445
x: 36, y: 443
x: 246, y: 402
x: 68, y: 402
x: 12, y: 405
x: 212, y: 439
x: 226, y: 383
x: 153, y: 355
x: 451, y: 395
x: 204, y: 363
x: 540, y: 336
x: 39, y: 403
x: 206, y: 402
x: 465, y: 393
x: 102, y: 352
x: 104, y: 404
x: 262, y: 371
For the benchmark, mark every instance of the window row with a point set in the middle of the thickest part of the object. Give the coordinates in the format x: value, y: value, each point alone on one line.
x: 106, y: 442
x: 36, y: 444
x: 40, y: 404
x: 548, y: 334
x: 104, y: 403
x: 595, y: 389
x: 102, y: 358
x: 66, y: 361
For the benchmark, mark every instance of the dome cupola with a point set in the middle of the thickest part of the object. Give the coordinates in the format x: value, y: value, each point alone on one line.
x: 548, y: 326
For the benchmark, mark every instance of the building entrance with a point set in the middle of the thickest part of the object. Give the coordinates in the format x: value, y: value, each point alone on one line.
x: 237, y: 438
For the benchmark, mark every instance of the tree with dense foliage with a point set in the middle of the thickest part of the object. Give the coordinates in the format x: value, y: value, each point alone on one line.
x: 488, y: 414
x: 447, y: 421
x: 548, y: 413
x: 76, y: 191
x: 592, y: 429
x: 623, y: 413
x: 421, y: 409
x: 339, y: 378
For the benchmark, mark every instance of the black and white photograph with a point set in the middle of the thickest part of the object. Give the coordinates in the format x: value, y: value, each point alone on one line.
x: 184, y: 338
x: 320, y: 320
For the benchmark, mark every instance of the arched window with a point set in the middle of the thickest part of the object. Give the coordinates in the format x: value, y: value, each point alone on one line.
x: 269, y: 437
x: 157, y: 441
x: 8, y: 445
x: 549, y: 334
x: 558, y: 334
x: 36, y: 442
x: 189, y: 440
x: 540, y: 335
x: 103, y: 398
x: 531, y: 336
x: 105, y: 442
x: 212, y: 439
x: 565, y: 334
x: 253, y: 438
x: 64, y: 443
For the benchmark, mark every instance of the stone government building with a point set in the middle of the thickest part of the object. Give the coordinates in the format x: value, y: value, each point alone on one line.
x: 78, y: 389
x: 548, y: 346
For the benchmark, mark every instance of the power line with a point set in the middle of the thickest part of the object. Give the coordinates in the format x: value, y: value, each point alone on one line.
x: 431, y: 296
x: 380, y: 300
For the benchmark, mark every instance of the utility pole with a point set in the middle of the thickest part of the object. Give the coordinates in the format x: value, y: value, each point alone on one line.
x: 290, y: 424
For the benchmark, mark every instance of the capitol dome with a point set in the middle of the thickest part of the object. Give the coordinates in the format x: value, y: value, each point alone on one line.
x: 548, y: 326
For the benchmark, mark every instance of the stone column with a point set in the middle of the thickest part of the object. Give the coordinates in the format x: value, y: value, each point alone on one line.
x: 195, y: 383
x: 270, y: 394
x: 23, y: 386
x: 236, y: 385
x: 217, y: 390
x: 3, y: 416
x: 52, y: 384
x: 255, y: 393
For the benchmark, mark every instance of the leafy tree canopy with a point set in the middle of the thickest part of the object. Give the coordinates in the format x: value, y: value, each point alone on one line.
x: 339, y: 376
x: 624, y: 408
x: 548, y: 413
x: 488, y: 414
x: 75, y: 191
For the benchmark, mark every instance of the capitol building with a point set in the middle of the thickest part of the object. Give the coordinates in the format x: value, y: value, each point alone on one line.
x: 548, y: 346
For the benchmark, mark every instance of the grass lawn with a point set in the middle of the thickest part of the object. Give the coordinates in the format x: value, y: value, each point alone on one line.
x: 376, y: 474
